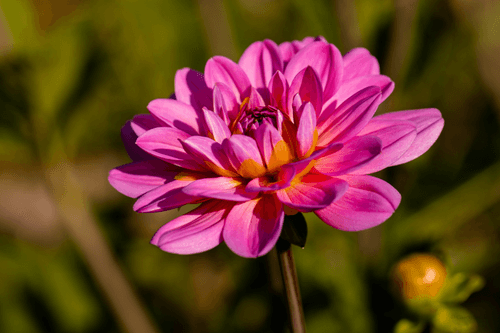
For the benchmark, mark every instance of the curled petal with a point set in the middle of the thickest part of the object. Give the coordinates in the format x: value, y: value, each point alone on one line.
x: 197, y: 231
x: 272, y: 183
x: 165, y: 143
x: 209, y: 153
x: 132, y: 130
x: 176, y: 114
x: 307, y: 135
x: 396, y: 136
x: 273, y: 148
x: 359, y: 62
x: 225, y: 104
x: 260, y: 61
x: 190, y: 88
x: 135, y: 179
x: 312, y: 192
x: 216, y: 128
x: 367, y: 202
x: 355, y: 153
x: 221, y: 69
x: 253, y: 227
x: 347, y: 89
x: 244, y: 156
x: 278, y: 88
x: 429, y: 123
x: 325, y: 59
x: 308, y: 86
x: 223, y: 188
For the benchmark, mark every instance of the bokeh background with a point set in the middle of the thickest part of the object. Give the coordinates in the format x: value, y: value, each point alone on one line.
x: 74, y: 257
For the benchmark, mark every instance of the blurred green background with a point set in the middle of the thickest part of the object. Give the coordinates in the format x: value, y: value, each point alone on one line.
x: 74, y: 257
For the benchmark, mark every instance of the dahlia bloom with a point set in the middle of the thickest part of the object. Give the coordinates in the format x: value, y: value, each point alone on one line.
x: 288, y: 128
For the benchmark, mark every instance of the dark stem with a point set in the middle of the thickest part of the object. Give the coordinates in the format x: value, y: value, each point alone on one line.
x: 291, y: 284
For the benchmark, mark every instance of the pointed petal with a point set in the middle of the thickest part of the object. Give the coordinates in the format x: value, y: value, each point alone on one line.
x: 396, y: 136
x: 273, y: 148
x: 269, y: 184
x: 429, y: 123
x: 221, y: 69
x: 197, y: 231
x: 312, y: 192
x: 209, y: 153
x: 216, y: 128
x: 367, y: 202
x: 347, y: 89
x: 137, y: 178
x: 225, y: 104
x: 355, y: 153
x: 255, y: 100
x: 176, y: 114
x: 167, y: 196
x: 278, y: 89
x: 350, y: 121
x: 191, y: 89
x: 164, y: 143
x: 260, y: 61
x: 359, y: 62
x: 325, y: 59
x: 307, y: 135
x: 223, y: 188
x: 307, y: 84
x: 253, y: 227
x: 244, y: 156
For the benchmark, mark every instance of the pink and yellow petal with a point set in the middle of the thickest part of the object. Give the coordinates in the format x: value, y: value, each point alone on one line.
x: 223, y: 188
x: 177, y: 114
x: 244, y: 156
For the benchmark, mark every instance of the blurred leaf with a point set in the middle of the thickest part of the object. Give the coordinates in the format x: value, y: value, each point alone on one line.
x: 295, y: 229
x: 407, y: 326
x: 460, y: 286
x: 454, y: 320
x: 20, y: 17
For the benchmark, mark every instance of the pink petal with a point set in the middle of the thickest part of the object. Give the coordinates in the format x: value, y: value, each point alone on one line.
x: 306, y: 83
x: 356, y: 152
x: 223, y: 188
x: 368, y: 202
x: 312, y: 192
x: 176, y: 114
x: 142, y: 123
x: 164, y: 143
x: 278, y: 88
x: 350, y: 120
x: 131, y: 131
x: 347, y: 89
x: 429, y: 123
x: 209, y: 153
x: 225, y: 104
x: 197, y: 231
x: 216, y: 128
x: 253, y: 227
x: 135, y: 179
x: 166, y: 197
x: 359, y: 62
x: 273, y: 148
x: 289, y: 49
x: 255, y: 100
x: 244, y: 156
x: 396, y: 136
x: 307, y: 135
x: 191, y: 89
x: 221, y: 69
x: 260, y: 61
x: 269, y: 184
x: 325, y: 59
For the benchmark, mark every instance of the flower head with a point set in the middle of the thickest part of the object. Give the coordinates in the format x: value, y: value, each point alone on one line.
x: 289, y: 127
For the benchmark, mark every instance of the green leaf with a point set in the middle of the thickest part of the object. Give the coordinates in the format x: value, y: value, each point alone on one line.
x: 295, y: 229
x: 408, y: 326
x: 454, y: 319
x: 460, y: 286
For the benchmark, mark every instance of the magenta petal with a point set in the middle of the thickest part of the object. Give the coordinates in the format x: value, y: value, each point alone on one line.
x: 223, y: 188
x: 312, y: 192
x: 176, y: 114
x: 347, y: 89
x: 396, y: 137
x: 367, y: 202
x: 356, y: 152
x: 278, y: 89
x: 164, y: 143
x: 350, y: 120
x: 132, y: 130
x: 267, y: 137
x: 216, y: 128
x: 165, y: 197
x: 244, y: 156
x: 253, y: 227
x: 197, y: 231
x: 221, y: 69
x: 429, y: 123
x: 306, y: 83
x: 359, y: 62
x: 260, y: 61
x: 190, y: 88
x: 225, y: 104
x: 255, y: 100
x: 325, y: 59
x: 262, y: 184
x: 306, y: 130
x: 209, y: 153
x: 137, y: 178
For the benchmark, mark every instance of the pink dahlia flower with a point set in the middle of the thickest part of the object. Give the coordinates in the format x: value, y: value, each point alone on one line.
x: 288, y: 128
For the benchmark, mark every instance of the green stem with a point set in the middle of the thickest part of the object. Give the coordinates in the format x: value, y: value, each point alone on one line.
x: 291, y: 284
